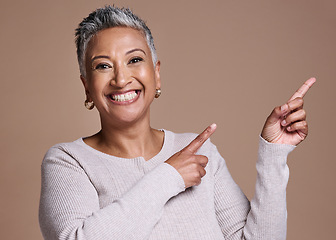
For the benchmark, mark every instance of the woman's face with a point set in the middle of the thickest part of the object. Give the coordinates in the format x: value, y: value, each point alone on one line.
x: 120, y: 77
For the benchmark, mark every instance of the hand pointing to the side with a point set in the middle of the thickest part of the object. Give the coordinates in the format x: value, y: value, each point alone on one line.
x: 287, y: 123
x: 187, y: 163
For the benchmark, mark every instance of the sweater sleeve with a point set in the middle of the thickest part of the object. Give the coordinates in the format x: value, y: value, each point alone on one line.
x: 266, y: 216
x: 69, y: 204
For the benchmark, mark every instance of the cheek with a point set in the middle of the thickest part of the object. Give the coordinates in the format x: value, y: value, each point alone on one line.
x: 147, y: 77
x: 141, y: 72
x: 97, y: 86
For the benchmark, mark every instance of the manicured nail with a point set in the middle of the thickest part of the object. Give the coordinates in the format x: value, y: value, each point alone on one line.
x: 213, y: 126
x: 288, y: 128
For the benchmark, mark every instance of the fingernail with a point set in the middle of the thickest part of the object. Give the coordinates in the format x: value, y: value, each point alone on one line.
x: 283, y: 108
x: 288, y: 128
x: 283, y: 123
x: 212, y: 126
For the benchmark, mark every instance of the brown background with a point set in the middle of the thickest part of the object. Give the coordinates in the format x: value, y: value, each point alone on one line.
x: 228, y: 62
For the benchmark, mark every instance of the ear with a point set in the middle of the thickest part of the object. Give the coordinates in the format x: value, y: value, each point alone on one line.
x: 157, y: 75
x: 85, y: 84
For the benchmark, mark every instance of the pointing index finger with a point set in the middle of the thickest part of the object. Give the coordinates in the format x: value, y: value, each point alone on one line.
x: 200, y: 139
x: 301, y: 92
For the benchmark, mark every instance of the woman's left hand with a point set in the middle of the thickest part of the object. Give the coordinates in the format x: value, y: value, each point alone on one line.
x: 287, y: 123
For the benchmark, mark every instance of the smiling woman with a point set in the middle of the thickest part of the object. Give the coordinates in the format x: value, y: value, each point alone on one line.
x: 121, y: 78
x: 130, y: 181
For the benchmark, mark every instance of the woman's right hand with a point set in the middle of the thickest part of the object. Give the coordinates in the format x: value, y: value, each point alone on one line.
x: 187, y: 163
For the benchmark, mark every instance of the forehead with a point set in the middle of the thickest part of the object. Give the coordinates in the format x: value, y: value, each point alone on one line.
x: 117, y: 39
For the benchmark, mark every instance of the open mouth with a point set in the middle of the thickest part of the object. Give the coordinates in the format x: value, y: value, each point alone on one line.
x: 125, y: 97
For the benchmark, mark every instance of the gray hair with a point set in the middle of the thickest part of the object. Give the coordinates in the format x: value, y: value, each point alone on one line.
x: 108, y: 17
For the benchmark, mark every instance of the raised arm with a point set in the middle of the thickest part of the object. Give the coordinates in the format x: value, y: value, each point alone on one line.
x: 267, y: 217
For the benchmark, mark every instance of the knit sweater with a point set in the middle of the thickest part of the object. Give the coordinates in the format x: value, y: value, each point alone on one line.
x: 87, y: 194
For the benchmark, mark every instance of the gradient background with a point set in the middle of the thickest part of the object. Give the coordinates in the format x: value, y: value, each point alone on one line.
x: 228, y: 62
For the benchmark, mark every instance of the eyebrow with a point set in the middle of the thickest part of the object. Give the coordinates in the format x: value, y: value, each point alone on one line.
x: 134, y: 50
x: 129, y: 52
x: 100, y: 56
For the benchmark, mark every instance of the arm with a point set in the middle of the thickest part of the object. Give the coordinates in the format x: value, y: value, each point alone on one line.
x: 285, y: 128
x: 266, y: 216
x: 69, y: 207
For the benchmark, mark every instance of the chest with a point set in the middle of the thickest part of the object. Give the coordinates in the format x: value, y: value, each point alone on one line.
x: 190, y: 212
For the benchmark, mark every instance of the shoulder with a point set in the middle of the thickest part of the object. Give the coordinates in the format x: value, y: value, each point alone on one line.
x: 66, y: 152
x: 62, y: 148
x: 181, y: 140
x: 185, y: 138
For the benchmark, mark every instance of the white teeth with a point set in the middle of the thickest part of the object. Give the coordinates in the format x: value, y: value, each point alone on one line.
x: 124, y: 97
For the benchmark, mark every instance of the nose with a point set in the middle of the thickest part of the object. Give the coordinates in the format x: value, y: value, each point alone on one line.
x: 121, y: 77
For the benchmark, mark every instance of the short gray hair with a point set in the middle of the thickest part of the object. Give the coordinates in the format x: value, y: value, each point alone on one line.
x: 108, y: 17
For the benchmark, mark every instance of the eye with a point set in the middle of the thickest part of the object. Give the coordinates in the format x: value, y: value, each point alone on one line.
x: 135, y: 60
x: 102, y: 66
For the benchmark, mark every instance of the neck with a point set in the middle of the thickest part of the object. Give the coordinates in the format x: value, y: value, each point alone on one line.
x: 129, y: 140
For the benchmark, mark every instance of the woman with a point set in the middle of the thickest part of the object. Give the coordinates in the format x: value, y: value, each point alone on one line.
x: 130, y: 181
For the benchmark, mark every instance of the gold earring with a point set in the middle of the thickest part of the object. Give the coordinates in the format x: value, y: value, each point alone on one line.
x: 157, y: 93
x: 88, y: 105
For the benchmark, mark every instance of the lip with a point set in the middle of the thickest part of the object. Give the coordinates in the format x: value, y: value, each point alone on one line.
x: 109, y: 96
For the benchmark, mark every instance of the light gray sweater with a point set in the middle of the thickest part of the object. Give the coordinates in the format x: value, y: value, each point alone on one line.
x: 87, y: 194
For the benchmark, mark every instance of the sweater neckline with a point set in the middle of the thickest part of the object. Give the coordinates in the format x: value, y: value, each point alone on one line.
x: 167, y: 144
